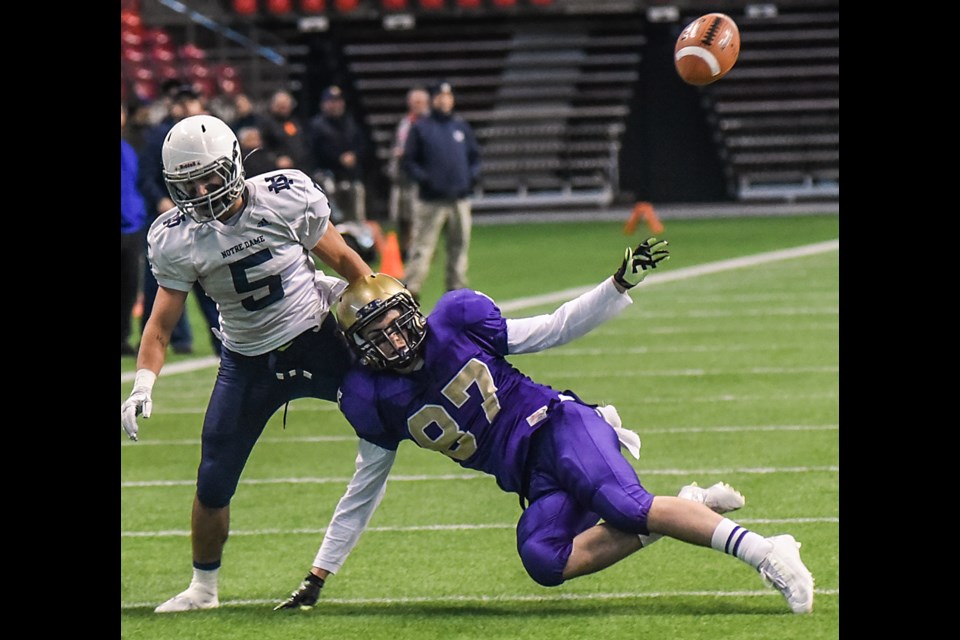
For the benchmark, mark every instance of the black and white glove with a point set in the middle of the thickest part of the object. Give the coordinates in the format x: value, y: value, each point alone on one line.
x: 305, y: 596
x: 636, y: 262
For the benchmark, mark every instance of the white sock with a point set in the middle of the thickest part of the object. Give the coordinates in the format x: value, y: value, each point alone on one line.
x: 206, y: 581
x: 738, y: 541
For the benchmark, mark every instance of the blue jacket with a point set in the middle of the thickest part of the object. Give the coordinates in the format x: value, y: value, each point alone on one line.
x: 442, y: 156
x: 133, y: 212
x: 150, y: 178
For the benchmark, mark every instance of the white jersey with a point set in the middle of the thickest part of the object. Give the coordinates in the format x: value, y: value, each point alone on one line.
x: 257, y: 266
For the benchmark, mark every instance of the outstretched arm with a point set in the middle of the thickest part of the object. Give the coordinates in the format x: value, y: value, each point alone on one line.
x: 353, y: 513
x: 356, y: 507
x: 577, y: 317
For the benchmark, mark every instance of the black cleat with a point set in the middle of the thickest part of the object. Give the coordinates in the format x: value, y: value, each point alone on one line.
x: 305, y: 596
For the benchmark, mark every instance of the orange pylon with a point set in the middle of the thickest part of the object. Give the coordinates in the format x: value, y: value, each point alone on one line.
x: 643, y: 211
x: 391, y: 263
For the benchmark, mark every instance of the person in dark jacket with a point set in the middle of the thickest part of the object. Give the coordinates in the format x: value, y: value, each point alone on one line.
x: 339, y: 146
x: 285, y: 134
x: 442, y: 156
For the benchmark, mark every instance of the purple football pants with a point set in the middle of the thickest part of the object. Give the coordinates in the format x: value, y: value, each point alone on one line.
x: 578, y: 476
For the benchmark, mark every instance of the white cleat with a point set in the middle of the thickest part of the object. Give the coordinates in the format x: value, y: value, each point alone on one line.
x: 721, y: 497
x: 188, y: 601
x: 784, y: 570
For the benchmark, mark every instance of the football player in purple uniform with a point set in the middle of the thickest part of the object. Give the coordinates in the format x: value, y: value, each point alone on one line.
x: 250, y: 243
x: 444, y: 383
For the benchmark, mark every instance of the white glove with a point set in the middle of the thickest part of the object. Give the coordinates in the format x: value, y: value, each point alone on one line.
x: 139, y: 402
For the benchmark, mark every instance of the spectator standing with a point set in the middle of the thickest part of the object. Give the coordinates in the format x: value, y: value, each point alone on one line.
x: 403, y: 190
x: 182, y: 101
x: 285, y: 135
x: 137, y: 123
x: 442, y: 156
x: 339, y: 147
x: 244, y: 114
x: 133, y: 224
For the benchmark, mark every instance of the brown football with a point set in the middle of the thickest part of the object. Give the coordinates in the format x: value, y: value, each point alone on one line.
x: 707, y: 49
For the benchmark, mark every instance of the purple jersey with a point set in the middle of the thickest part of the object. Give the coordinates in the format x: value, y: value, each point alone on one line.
x: 466, y: 402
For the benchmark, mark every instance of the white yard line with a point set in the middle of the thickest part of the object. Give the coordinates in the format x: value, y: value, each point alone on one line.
x: 557, y: 597
x: 566, y: 294
x: 182, y: 533
x: 448, y: 477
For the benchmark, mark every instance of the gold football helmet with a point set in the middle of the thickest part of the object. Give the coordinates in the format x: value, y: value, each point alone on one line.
x: 380, y: 343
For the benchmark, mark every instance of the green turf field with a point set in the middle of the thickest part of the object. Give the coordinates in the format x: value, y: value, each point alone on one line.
x: 727, y: 370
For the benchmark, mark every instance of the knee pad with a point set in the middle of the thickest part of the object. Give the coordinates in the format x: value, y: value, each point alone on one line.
x: 545, y: 562
x: 214, y: 494
x: 213, y: 499
x: 626, y: 511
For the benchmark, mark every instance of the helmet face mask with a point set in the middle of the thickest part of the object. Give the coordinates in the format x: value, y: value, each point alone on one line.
x: 382, y: 322
x: 202, y: 167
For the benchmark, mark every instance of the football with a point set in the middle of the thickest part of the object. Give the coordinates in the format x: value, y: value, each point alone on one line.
x: 707, y: 49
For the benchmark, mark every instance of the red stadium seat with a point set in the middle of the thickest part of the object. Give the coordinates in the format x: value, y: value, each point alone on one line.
x: 146, y: 90
x: 165, y: 72
x: 504, y: 3
x: 130, y: 20
x: 394, y: 5
x: 130, y: 38
x: 431, y: 5
x: 191, y: 51
x: 469, y: 4
x: 346, y: 6
x: 229, y: 86
x: 133, y: 54
x: 157, y: 37
x: 143, y: 74
x: 313, y: 6
x: 198, y: 71
x: 201, y: 76
x: 163, y: 54
x: 244, y: 7
x: 227, y: 71
x: 279, y: 7
x: 228, y: 79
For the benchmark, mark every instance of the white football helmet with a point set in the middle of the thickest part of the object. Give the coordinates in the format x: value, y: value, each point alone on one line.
x: 196, y: 150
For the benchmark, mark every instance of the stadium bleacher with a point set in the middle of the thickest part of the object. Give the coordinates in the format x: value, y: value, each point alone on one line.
x: 548, y: 85
x: 777, y: 113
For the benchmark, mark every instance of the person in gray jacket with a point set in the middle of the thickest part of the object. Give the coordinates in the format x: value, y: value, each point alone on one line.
x: 442, y: 156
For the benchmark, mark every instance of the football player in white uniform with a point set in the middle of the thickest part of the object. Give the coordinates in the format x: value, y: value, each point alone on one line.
x: 249, y: 244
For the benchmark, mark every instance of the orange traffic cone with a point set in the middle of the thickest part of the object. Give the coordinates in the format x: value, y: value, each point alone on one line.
x: 643, y: 211
x: 391, y: 263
